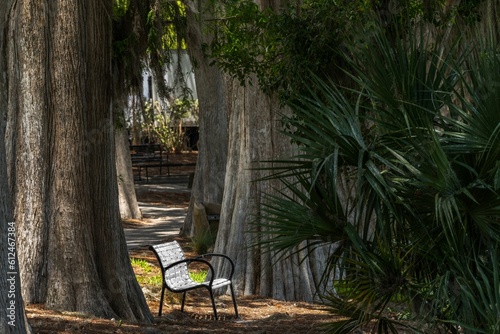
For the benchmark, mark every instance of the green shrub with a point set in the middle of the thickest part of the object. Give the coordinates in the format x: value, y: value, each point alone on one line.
x: 402, y: 175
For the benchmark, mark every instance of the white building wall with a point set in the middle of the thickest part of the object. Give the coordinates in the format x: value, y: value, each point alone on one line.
x: 149, y: 86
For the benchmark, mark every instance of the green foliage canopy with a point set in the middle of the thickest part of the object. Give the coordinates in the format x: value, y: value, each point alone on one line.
x: 147, y: 32
x: 283, y: 48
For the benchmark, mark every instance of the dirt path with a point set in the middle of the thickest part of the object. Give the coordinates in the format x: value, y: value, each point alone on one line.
x: 160, y: 223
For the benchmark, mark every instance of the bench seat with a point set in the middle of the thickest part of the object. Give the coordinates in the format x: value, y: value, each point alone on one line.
x: 176, y: 278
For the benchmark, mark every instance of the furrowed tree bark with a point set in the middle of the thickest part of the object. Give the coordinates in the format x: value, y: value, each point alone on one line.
x: 13, y: 318
x: 127, y: 198
x: 62, y: 160
x: 26, y: 135
x: 253, y: 134
x: 208, y: 183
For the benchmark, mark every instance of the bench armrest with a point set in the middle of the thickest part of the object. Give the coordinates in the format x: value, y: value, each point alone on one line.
x: 220, y: 255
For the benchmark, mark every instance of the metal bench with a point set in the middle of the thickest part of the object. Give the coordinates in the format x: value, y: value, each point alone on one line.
x: 152, y: 156
x: 146, y: 156
x: 176, y: 277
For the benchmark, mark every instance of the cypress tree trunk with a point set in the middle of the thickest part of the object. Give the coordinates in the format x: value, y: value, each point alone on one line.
x: 13, y: 318
x: 210, y: 170
x: 62, y: 160
x: 127, y: 198
x: 253, y: 134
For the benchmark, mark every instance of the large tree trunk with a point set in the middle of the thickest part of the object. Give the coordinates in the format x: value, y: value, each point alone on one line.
x: 210, y: 170
x: 13, y: 319
x: 127, y: 198
x: 62, y: 160
x: 26, y: 152
x: 253, y: 134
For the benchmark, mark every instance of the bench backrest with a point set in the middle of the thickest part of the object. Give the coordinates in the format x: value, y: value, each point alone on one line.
x: 145, y: 148
x: 167, y: 254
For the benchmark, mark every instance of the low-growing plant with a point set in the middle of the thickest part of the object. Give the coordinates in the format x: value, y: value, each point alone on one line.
x: 202, y: 241
x: 150, y: 275
x: 146, y: 273
x: 198, y: 275
x: 141, y: 263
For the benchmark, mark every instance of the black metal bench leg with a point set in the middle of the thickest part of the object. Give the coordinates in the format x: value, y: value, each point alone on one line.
x: 213, y: 303
x: 161, y: 300
x: 183, y: 301
x: 234, y: 300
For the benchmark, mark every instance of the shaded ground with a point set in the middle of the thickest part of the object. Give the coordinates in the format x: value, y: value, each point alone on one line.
x: 257, y: 315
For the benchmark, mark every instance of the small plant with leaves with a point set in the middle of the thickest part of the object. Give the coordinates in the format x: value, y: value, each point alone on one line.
x: 203, y: 241
x: 166, y: 123
x: 198, y: 276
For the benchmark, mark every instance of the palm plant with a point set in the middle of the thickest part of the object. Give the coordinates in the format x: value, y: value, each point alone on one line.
x: 402, y: 175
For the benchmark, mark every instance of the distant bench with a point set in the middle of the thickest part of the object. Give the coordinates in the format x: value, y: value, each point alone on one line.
x: 151, y: 156
x: 146, y: 156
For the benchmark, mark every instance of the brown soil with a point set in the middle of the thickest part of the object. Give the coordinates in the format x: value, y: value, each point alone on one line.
x: 257, y: 314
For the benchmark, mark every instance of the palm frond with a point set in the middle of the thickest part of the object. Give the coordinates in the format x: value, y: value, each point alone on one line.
x: 401, y: 175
